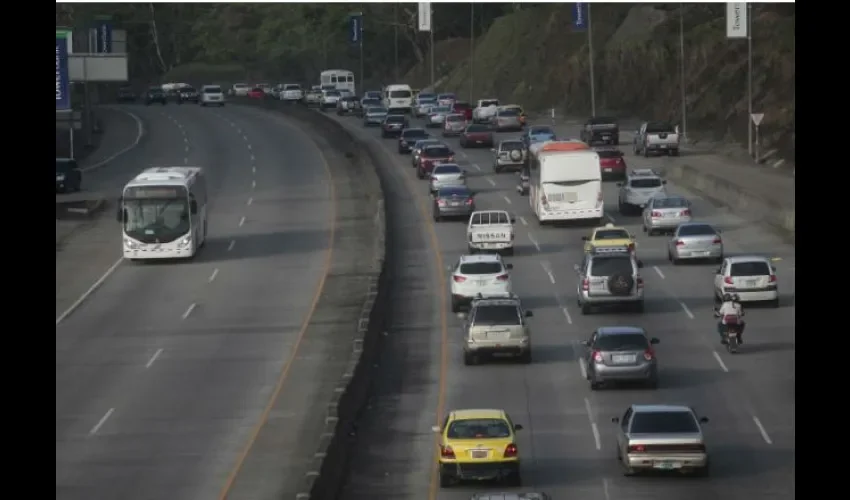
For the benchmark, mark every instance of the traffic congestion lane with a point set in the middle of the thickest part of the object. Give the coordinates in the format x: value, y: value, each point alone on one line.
x: 132, y: 402
x: 698, y: 353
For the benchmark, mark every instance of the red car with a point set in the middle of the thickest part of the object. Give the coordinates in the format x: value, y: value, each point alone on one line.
x: 476, y: 135
x: 612, y: 164
x: 463, y: 108
x: 431, y: 156
x: 256, y: 93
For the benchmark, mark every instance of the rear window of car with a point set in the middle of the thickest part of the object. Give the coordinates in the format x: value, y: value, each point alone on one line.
x: 509, y: 145
x: 485, y: 428
x: 212, y: 90
x: 540, y: 130
x: 621, y: 342
x: 663, y: 422
x: 437, y: 152
x: 670, y: 203
x: 400, y: 94
x: 240, y: 86
x: 481, y: 268
x: 484, y: 104
x: 645, y: 183
x: 609, y: 153
x: 696, y: 230
x: 453, y: 191
x: 749, y: 269
x: 441, y: 109
x: 376, y: 109
x: 462, y: 105
x: 508, y: 112
x: 446, y: 96
x: 496, y: 315
x: 292, y: 86
x: 655, y: 127
x: 414, y: 132
x: 188, y: 89
x: 490, y: 218
x: 477, y: 128
x: 612, y: 234
x: 257, y: 89
x: 610, y: 266
x: 447, y: 169
x: 332, y: 93
x: 426, y: 97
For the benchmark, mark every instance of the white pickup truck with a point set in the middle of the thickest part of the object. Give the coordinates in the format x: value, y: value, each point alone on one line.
x: 657, y: 137
x: 291, y: 92
x: 485, y: 110
x: 491, y: 230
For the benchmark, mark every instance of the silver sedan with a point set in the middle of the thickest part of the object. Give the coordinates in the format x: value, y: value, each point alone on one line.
x: 507, y: 119
x: 695, y: 240
x: 445, y: 175
x: 664, y: 213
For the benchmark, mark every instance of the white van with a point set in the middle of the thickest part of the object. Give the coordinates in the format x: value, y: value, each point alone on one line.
x: 398, y: 98
x: 566, y: 186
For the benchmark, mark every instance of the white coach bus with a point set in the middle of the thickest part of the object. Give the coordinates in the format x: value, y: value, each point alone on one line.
x: 341, y: 78
x: 565, y: 183
x: 163, y: 212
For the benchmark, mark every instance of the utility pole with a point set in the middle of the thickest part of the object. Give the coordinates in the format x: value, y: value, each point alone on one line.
x: 682, y: 70
x: 395, y: 40
x: 750, y: 78
x: 590, y: 51
x: 362, y: 61
x: 471, y: 49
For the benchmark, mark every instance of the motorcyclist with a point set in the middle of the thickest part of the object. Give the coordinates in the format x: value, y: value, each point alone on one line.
x: 731, y: 306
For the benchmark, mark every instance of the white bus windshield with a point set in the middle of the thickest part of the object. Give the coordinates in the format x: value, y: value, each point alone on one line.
x: 156, y: 220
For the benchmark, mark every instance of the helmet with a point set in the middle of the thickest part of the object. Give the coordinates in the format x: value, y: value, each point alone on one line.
x: 727, y: 297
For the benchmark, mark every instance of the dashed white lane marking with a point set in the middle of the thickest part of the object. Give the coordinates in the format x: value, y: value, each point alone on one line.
x: 250, y: 201
x: 524, y: 222
x: 153, y: 358
x: 249, y: 147
x: 593, y: 426
x: 253, y: 158
x: 720, y: 361
x: 232, y: 124
x: 186, y: 160
x: 253, y: 184
x: 213, y: 275
x: 238, y: 130
x: 534, y: 242
x: 610, y: 219
x: 462, y: 154
x: 179, y: 125
x: 253, y: 170
x: 245, y: 138
x: 658, y: 271
x: 231, y: 245
x: 189, y: 310
x: 242, y: 221
x: 605, y: 488
x: 186, y: 148
x: 567, y: 315
x: 90, y: 291
x: 477, y: 167
x: 508, y: 200
x: 102, y: 421
x: 583, y: 368
x: 547, y: 268
x: 687, y: 311
x: 762, y: 430
x: 491, y: 181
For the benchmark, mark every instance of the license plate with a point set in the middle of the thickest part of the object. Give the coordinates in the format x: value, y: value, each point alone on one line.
x: 667, y: 465
x: 498, y: 335
x: 479, y: 142
x: 670, y: 215
x: 455, y: 203
x: 701, y: 254
x: 478, y: 453
x: 623, y: 358
x: 752, y: 283
x: 482, y: 282
x: 663, y: 146
x: 606, y: 170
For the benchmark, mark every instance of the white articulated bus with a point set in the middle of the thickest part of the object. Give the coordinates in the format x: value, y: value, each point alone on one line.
x: 342, y: 79
x: 163, y: 212
x: 565, y: 183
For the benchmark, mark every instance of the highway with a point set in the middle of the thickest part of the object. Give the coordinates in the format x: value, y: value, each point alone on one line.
x: 567, y: 445
x: 164, y: 372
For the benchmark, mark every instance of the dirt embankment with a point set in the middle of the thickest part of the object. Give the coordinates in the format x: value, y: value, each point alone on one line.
x: 534, y: 58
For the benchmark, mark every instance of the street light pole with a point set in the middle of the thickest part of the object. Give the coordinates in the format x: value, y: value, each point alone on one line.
x: 362, y: 62
x: 590, y: 51
x: 682, y: 71
x: 395, y: 40
x: 431, y: 42
x: 471, y: 49
x: 750, y: 78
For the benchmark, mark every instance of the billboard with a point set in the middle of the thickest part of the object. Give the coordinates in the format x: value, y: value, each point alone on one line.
x: 736, y: 20
x: 63, y: 95
x: 98, y: 67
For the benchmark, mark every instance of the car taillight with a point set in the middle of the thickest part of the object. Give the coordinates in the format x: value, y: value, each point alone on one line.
x: 502, y: 277
x: 585, y: 284
x: 728, y: 280
x: 450, y: 159
x: 648, y: 354
x: 685, y: 213
x: 637, y: 448
x: 511, y: 451
x: 773, y: 278
x: 469, y: 201
x: 679, y: 243
x: 441, y: 203
x: 655, y: 214
x: 717, y: 241
x: 639, y: 282
x: 597, y: 357
x: 447, y: 452
x: 459, y: 279
x: 543, y: 199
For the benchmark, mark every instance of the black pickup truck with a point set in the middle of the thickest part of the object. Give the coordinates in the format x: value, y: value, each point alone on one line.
x: 601, y: 129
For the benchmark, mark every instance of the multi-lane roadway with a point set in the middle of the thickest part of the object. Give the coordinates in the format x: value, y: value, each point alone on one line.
x: 165, y: 370
x: 567, y: 445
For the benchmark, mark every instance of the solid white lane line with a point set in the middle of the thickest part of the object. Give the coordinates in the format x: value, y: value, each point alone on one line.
x: 102, y: 421
x: 610, y: 219
x: 533, y: 241
x: 213, y: 275
x: 253, y: 170
x: 250, y: 201
x: 491, y: 181
x: 245, y: 137
x: 189, y: 310
x: 90, y: 291
x: 153, y: 358
x: 140, y: 131
x: 658, y: 271
x: 253, y: 184
x: 720, y: 361
x: 687, y: 311
x: 254, y: 159
x: 567, y: 315
x: 508, y: 200
x: 186, y: 148
x: 524, y: 222
x: 593, y: 427
x: 605, y: 488
x: 230, y: 246
x: 762, y: 430
x: 242, y: 221
x: 476, y: 167
x: 547, y: 268
x: 239, y: 131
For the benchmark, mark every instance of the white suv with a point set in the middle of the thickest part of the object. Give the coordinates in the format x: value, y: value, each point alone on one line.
x: 480, y: 274
x: 640, y: 186
x: 211, y: 95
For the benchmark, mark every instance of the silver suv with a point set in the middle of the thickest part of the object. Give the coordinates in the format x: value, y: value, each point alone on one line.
x: 609, y: 279
x: 510, y: 154
x: 640, y: 186
x: 496, y: 325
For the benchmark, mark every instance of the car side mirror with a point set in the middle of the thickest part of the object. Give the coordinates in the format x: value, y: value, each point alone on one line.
x: 654, y: 341
x: 619, y: 184
x: 435, y: 429
x: 640, y: 264
x: 585, y: 238
x: 616, y: 420
x: 703, y: 420
x: 517, y: 427
x: 193, y: 207
x: 663, y: 182
x: 509, y: 266
x: 529, y: 314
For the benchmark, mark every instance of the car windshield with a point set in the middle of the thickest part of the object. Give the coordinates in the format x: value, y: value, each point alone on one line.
x: 501, y: 315
x: 755, y: 268
x: 438, y: 152
x: 621, y: 342
x: 609, y: 153
x: 413, y: 133
x: 481, y: 268
x: 447, y: 169
x: 645, y: 183
x: 508, y: 112
x: 663, y: 422
x: 399, y: 94
x: 477, y: 128
x: 611, y: 234
x: 483, y: 428
x: 610, y: 266
x: 657, y: 127
x: 449, y: 192
x: 670, y: 203
x: 212, y: 90
x: 696, y: 230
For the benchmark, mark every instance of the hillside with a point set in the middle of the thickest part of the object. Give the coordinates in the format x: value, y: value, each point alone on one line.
x: 532, y: 57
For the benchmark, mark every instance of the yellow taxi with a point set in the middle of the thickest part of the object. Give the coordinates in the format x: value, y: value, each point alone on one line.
x: 609, y: 238
x: 478, y: 445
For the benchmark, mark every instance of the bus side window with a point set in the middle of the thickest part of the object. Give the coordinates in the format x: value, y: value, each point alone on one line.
x: 351, y: 78
x: 333, y: 79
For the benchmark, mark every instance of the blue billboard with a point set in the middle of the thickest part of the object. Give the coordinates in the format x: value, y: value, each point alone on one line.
x: 579, y: 16
x: 355, y: 29
x: 63, y: 96
x: 103, y: 36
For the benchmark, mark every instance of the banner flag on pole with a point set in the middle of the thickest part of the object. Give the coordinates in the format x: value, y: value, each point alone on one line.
x: 579, y: 12
x: 63, y: 96
x: 736, y: 20
x: 424, y: 16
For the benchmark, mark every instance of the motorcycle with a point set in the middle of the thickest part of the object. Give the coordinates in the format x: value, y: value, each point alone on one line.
x: 523, y: 185
x: 731, y: 332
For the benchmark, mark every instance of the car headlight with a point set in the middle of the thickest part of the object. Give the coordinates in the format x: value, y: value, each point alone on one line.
x: 185, y: 241
x: 60, y: 177
x: 130, y: 244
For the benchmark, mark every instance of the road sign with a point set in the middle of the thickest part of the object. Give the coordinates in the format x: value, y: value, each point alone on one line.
x: 63, y: 95
x: 355, y: 28
x: 757, y: 118
x: 579, y: 12
x: 103, y: 36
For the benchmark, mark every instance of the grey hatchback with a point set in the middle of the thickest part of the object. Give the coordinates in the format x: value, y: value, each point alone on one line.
x: 620, y: 354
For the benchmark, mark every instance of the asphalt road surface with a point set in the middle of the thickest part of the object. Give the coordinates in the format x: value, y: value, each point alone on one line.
x: 164, y: 371
x: 567, y: 445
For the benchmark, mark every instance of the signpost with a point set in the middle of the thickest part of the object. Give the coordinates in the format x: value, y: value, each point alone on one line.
x: 757, y: 118
x: 581, y: 22
x: 103, y: 35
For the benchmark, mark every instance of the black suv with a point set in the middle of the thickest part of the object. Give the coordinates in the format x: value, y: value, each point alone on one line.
x: 154, y: 95
x: 602, y: 129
